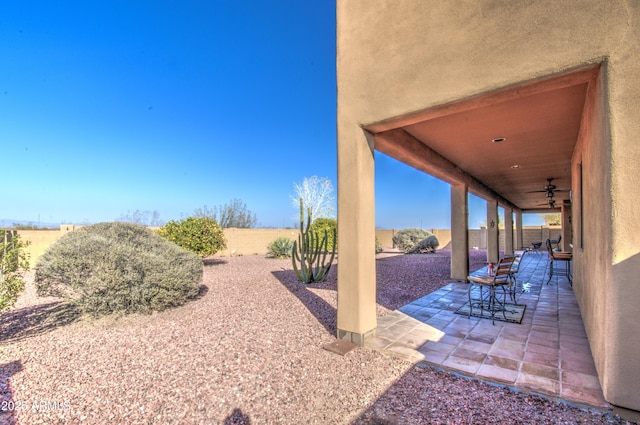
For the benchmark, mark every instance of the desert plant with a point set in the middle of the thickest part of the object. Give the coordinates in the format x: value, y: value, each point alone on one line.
x: 280, y: 248
x: 330, y: 225
x: 201, y: 235
x: 310, y: 252
x: 233, y: 214
x: 317, y: 195
x: 378, y: 246
x: 13, y: 260
x: 414, y: 240
x: 426, y: 246
x: 147, y: 218
x: 118, y: 268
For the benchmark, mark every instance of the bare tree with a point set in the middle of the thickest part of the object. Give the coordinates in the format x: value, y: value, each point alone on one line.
x: 146, y: 218
x: 233, y: 214
x: 317, y: 194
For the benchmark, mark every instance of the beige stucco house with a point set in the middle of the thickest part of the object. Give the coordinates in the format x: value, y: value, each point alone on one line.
x: 438, y: 84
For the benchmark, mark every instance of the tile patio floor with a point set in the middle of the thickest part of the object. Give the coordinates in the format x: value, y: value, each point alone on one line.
x: 547, y: 354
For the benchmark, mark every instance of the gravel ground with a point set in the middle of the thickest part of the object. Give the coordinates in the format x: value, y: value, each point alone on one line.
x: 247, y: 350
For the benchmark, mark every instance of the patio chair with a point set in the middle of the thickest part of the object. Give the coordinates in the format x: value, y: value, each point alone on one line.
x: 500, y: 279
x: 513, y: 277
x: 535, y: 246
x: 556, y: 242
x: 555, y: 257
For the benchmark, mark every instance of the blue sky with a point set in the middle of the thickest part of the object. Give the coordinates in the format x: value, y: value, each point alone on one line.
x: 115, y: 106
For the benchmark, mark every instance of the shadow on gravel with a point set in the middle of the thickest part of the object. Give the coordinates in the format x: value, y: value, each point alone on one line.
x: 8, y: 406
x: 237, y: 417
x: 32, y: 321
x: 404, y: 278
x: 202, y: 291
x: 427, y: 395
x: 324, y: 312
x: 400, y: 280
x: 213, y: 261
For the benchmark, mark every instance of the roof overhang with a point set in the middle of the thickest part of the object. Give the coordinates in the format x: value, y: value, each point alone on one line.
x: 539, y: 122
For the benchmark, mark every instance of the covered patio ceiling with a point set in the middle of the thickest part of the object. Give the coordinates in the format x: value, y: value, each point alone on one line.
x: 539, y: 123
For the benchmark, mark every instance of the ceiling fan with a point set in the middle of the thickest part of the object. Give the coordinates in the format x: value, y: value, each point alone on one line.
x: 550, y: 189
x: 551, y: 203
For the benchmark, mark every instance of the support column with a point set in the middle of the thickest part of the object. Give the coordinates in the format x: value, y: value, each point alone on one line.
x: 493, y: 245
x: 565, y: 214
x: 508, y: 231
x: 459, y: 231
x: 519, y: 241
x: 356, y: 235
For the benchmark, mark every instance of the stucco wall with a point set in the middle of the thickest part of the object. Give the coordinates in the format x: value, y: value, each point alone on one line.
x: 624, y: 110
x: 608, y: 288
x: 398, y: 57
x: 40, y: 240
x: 255, y: 241
x: 592, y: 250
x: 239, y: 241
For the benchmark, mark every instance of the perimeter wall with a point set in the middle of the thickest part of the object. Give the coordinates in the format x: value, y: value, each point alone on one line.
x: 255, y: 241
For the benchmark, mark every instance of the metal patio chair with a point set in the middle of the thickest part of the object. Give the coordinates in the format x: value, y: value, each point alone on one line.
x: 556, y: 242
x: 513, y: 277
x: 502, y: 278
x: 555, y: 257
x: 535, y: 247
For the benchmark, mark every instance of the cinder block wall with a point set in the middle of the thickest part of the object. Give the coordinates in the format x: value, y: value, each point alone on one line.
x: 385, y: 237
x: 40, y: 240
x: 255, y: 241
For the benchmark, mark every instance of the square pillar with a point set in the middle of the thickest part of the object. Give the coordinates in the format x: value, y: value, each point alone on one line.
x: 519, y: 238
x: 356, y: 235
x: 493, y: 243
x: 508, y: 231
x: 459, y: 231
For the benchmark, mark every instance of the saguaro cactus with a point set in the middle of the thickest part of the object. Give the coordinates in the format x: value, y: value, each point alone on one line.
x: 310, y: 252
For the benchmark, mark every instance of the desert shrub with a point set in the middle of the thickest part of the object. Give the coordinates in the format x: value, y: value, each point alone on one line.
x: 428, y: 245
x: 378, y: 246
x: 280, y: 248
x: 201, y: 235
x: 414, y: 240
x: 319, y: 225
x: 13, y: 260
x: 118, y: 268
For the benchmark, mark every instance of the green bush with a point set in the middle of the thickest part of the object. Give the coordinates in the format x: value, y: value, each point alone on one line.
x: 118, y: 268
x: 280, y: 248
x: 426, y: 246
x: 413, y: 241
x: 319, y: 225
x: 13, y: 259
x: 378, y: 246
x: 201, y: 235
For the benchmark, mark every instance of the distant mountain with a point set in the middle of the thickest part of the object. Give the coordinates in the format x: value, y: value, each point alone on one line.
x: 6, y: 223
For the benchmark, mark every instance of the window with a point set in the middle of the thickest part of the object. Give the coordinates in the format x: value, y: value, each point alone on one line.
x: 581, y: 207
